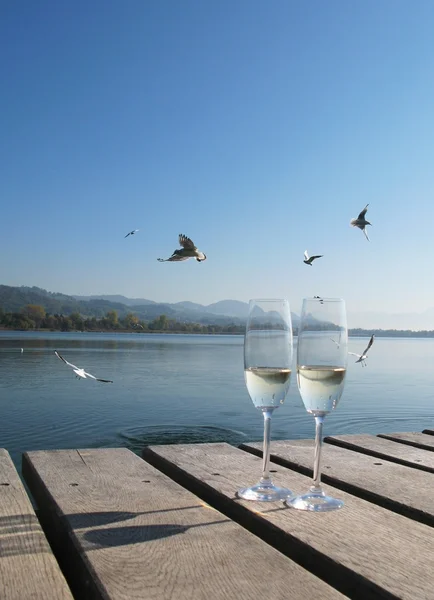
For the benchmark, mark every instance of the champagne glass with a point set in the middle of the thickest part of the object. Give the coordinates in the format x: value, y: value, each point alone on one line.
x: 267, y: 373
x: 321, y: 368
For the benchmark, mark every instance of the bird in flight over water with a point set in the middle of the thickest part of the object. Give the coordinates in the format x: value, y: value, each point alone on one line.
x: 131, y: 232
x: 81, y: 372
x: 338, y: 344
x: 187, y: 251
x: 362, y: 357
x: 309, y: 260
x: 361, y: 222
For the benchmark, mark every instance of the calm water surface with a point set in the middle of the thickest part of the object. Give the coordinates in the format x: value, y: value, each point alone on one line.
x: 188, y: 388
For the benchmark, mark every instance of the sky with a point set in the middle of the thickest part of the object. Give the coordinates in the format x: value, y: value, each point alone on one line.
x: 258, y: 129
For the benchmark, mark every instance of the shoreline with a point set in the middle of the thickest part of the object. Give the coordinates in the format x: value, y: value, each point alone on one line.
x: 352, y: 333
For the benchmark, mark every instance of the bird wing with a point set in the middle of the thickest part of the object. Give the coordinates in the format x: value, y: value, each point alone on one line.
x: 173, y: 258
x: 316, y: 256
x: 96, y: 378
x: 306, y: 255
x: 177, y: 258
x: 127, y: 234
x: 354, y: 354
x: 337, y: 343
x: 371, y: 341
x: 186, y: 242
x: 89, y: 375
x: 65, y: 361
x: 366, y: 234
x: 363, y: 213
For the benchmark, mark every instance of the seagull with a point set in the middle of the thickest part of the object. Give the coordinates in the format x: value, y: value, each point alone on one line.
x: 131, y: 233
x: 81, y: 372
x: 337, y: 343
x: 309, y: 261
x: 187, y: 251
x: 361, y: 222
x: 362, y: 357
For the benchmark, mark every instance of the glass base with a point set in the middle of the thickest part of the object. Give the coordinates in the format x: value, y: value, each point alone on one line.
x: 264, y: 492
x: 315, y: 501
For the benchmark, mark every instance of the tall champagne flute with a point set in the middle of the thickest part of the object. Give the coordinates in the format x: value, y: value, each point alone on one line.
x: 322, y: 350
x: 267, y: 373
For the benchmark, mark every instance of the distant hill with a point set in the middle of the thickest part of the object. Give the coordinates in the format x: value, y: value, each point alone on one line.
x: 230, y: 308
x: 116, y: 298
x: 235, y: 309
x: 14, y: 299
x: 225, y: 312
x: 188, y: 305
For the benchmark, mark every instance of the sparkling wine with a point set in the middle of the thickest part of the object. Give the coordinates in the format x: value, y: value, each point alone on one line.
x: 267, y: 386
x: 320, y: 387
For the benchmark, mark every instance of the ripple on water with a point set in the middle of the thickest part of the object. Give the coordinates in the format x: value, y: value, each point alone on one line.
x: 136, y: 438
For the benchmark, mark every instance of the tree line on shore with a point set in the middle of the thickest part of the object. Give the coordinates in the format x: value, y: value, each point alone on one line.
x: 34, y: 316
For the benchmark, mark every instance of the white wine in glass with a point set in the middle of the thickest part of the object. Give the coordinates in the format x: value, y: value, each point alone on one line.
x: 267, y: 372
x: 322, y: 351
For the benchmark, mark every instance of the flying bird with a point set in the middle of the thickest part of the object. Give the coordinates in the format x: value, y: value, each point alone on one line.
x: 338, y: 344
x: 131, y: 233
x: 362, y: 357
x: 361, y: 222
x: 309, y: 261
x: 187, y: 251
x: 81, y: 372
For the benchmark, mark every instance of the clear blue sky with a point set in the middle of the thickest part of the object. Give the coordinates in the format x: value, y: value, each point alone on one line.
x: 259, y: 129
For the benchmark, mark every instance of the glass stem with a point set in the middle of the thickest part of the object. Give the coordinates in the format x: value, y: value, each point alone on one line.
x: 266, y: 448
x: 319, y: 421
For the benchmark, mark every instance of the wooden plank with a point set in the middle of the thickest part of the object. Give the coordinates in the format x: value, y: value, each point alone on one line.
x: 363, y: 550
x: 138, y: 534
x: 413, y: 438
x: 385, y: 449
x: 28, y: 569
x: 396, y: 487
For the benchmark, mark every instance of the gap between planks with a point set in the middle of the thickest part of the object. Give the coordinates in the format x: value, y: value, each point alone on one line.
x: 349, y: 582
x: 392, y: 489
x: 385, y: 449
x: 152, y: 541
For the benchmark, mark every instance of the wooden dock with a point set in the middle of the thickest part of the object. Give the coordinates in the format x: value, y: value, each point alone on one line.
x: 169, y: 525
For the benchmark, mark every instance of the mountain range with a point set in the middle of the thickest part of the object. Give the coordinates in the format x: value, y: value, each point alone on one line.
x: 229, y: 308
x: 13, y: 299
x: 235, y: 309
x: 224, y: 311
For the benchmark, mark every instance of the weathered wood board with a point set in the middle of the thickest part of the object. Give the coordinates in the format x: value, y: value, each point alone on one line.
x: 136, y: 533
x: 394, y: 486
x: 385, y: 449
x: 363, y: 550
x: 413, y: 438
x: 28, y: 568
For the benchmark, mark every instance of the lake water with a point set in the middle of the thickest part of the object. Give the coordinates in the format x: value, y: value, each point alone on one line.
x: 188, y: 388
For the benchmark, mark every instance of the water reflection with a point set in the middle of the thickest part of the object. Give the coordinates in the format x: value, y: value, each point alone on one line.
x: 187, y: 389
